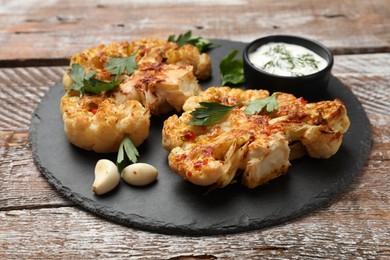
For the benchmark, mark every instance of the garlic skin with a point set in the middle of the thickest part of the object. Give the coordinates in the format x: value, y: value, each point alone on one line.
x: 139, y: 174
x: 107, y: 177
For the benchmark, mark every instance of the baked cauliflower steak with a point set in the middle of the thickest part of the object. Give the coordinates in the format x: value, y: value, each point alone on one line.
x: 254, y: 148
x: 164, y: 76
x: 317, y: 127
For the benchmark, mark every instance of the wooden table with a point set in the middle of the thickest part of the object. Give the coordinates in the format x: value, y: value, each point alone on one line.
x: 36, y: 41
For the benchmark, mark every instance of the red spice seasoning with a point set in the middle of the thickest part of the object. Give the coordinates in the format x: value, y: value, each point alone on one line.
x: 189, y: 136
x: 199, y: 164
x: 93, y: 110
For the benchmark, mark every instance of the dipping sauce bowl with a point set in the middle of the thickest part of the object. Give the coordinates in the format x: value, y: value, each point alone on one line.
x: 291, y: 64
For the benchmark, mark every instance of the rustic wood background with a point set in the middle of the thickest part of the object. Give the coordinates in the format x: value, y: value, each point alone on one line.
x: 38, y: 37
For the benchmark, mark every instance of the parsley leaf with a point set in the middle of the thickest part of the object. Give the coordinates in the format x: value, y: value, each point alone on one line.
x: 84, y: 82
x: 232, y: 71
x: 270, y: 104
x: 118, y: 66
x: 96, y: 86
x: 187, y: 38
x: 126, y: 148
x: 204, y: 44
x: 78, y: 75
x: 210, y: 113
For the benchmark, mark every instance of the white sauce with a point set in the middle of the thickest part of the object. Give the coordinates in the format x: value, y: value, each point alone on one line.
x: 285, y: 59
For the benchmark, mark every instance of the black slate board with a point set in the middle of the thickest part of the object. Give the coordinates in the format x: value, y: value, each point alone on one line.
x: 173, y: 206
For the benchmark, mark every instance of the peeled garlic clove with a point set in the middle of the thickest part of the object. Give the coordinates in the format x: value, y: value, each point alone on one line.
x: 107, y: 177
x: 139, y: 174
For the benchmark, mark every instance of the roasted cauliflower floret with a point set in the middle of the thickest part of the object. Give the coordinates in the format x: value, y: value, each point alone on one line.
x: 165, y: 76
x: 148, y: 51
x: 216, y: 155
x: 267, y: 159
x: 237, y: 145
x: 319, y: 126
x: 189, y: 54
x: 255, y: 148
x: 162, y: 88
x: 99, y: 123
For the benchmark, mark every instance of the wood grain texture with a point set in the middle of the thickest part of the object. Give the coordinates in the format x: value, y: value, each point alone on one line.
x: 21, y: 90
x: 38, y: 223
x: 68, y: 233
x: 38, y: 37
x: 31, y: 30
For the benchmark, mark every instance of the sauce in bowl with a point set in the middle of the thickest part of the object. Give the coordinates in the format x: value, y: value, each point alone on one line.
x: 285, y: 59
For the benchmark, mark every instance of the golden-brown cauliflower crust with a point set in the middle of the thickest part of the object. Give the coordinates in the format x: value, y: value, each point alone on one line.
x: 166, y: 76
x: 98, y: 123
x: 237, y: 145
x: 254, y: 148
x: 162, y: 88
x: 214, y: 155
x: 148, y: 50
x: 319, y: 126
x: 224, y: 95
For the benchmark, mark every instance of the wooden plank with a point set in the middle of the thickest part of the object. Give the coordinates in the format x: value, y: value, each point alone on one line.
x: 21, y: 91
x: 69, y: 233
x: 22, y: 185
x: 368, y: 77
x: 30, y: 30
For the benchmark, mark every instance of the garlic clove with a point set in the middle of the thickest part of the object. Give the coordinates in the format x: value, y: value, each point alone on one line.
x: 107, y: 177
x: 139, y: 174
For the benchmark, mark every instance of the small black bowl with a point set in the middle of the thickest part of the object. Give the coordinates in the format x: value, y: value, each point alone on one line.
x: 311, y: 87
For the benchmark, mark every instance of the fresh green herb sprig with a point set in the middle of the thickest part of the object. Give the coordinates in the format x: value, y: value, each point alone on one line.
x: 127, y: 153
x: 187, y: 38
x: 232, y: 70
x: 78, y: 75
x: 96, y: 86
x: 270, y: 104
x: 84, y: 82
x: 119, y: 66
x: 210, y: 113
